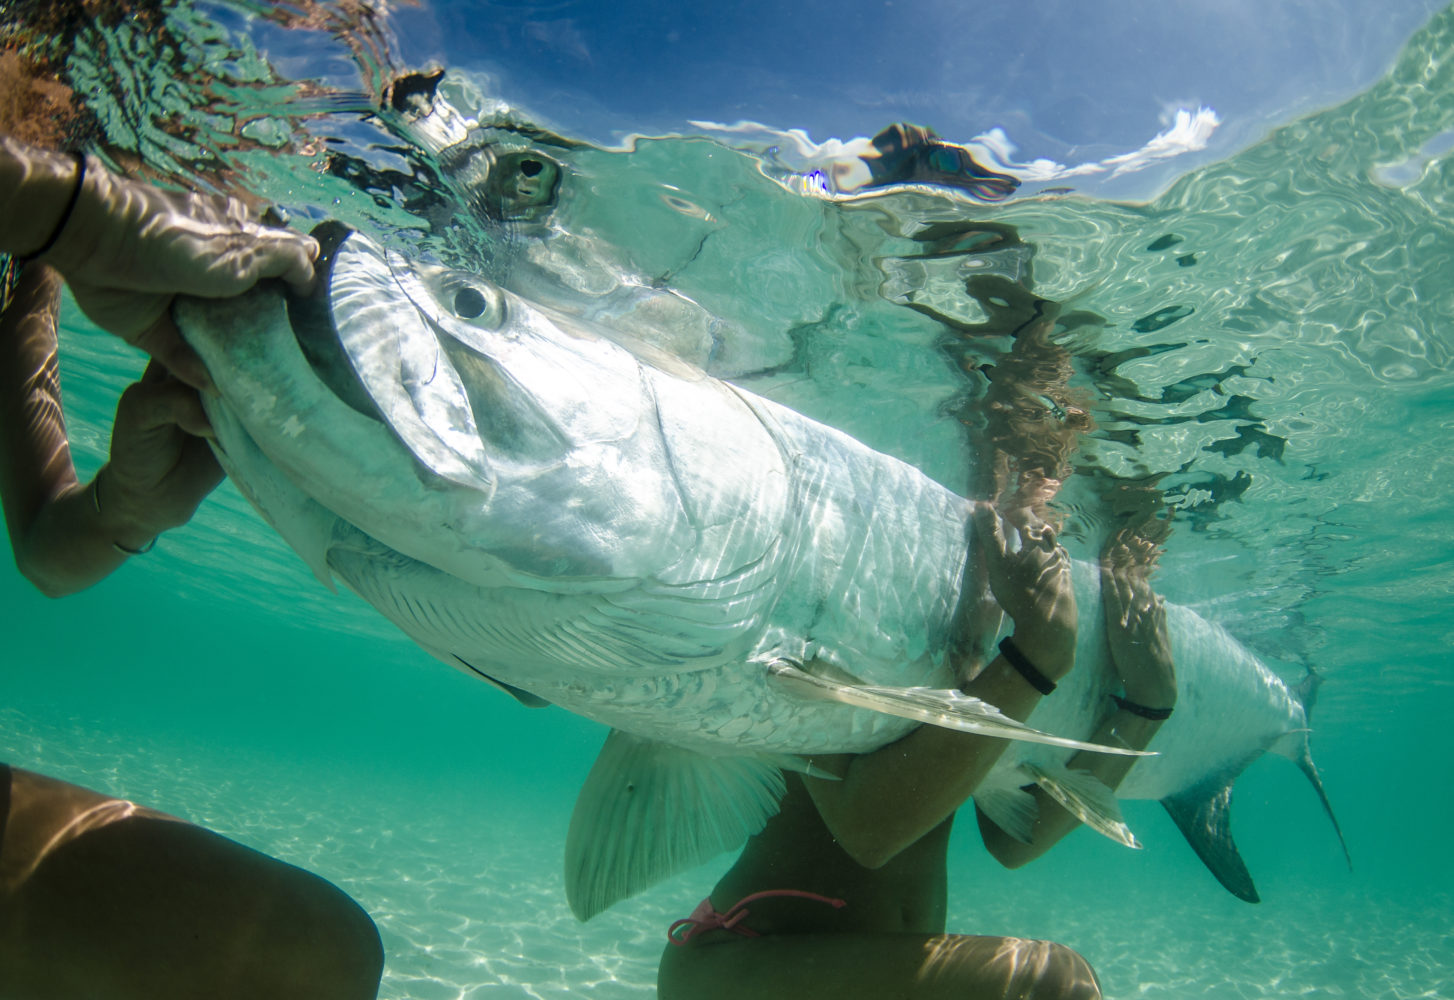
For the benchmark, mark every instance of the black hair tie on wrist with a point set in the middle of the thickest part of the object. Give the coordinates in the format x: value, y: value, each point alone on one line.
x: 1154, y: 714
x: 1025, y: 668
x: 96, y: 505
x: 60, y: 227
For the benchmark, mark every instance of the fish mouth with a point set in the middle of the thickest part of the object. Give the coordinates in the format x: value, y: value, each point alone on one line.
x: 316, y: 330
x: 367, y: 334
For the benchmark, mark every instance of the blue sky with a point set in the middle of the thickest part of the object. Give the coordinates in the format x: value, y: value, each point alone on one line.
x: 1069, y: 80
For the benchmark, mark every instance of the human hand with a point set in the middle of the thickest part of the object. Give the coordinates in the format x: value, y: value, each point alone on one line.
x: 128, y: 248
x: 1136, y: 620
x: 1029, y: 575
x: 161, y: 466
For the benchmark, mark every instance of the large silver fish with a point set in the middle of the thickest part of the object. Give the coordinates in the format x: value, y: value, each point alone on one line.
x: 729, y: 585
x: 1231, y: 709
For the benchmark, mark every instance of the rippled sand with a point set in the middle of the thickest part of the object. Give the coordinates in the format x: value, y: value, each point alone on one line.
x: 467, y: 891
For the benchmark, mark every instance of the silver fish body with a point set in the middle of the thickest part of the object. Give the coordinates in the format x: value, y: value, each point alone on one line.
x: 526, y: 497
x: 580, y: 522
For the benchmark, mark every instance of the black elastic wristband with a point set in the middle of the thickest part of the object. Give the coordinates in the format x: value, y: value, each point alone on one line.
x: 60, y: 227
x: 135, y: 552
x: 1154, y: 714
x: 1025, y: 668
x: 96, y: 505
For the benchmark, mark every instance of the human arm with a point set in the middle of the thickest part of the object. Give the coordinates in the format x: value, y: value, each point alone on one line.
x: 66, y: 536
x: 127, y: 248
x: 35, y: 187
x: 888, y: 799
x: 1141, y: 653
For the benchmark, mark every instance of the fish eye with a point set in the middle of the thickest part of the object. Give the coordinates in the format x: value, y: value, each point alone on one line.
x: 522, y: 185
x: 469, y: 303
x: 471, y: 299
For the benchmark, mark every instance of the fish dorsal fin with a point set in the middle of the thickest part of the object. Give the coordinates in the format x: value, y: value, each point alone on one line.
x: 1087, y: 798
x: 1203, y: 814
x: 944, y: 707
x: 649, y: 810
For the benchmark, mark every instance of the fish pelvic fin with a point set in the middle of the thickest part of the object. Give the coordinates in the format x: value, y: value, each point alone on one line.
x: 944, y: 707
x: 1203, y: 814
x: 649, y: 810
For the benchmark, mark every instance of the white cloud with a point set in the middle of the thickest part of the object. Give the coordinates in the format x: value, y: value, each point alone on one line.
x: 1188, y: 132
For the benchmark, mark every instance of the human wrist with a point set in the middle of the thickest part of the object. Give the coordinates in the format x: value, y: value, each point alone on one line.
x: 77, y: 241
x: 1151, y: 696
x: 125, y: 527
x: 1135, y: 731
x: 1049, y: 646
x: 36, y: 207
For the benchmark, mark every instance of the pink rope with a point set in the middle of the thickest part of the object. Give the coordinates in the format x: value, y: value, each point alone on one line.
x: 704, y: 918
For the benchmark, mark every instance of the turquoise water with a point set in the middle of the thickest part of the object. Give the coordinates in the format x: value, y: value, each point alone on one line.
x: 1270, y: 337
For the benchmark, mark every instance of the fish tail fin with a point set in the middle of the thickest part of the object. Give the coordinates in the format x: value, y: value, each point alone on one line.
x: 1307, y: 690
x: 1304, y: 761
x: 1298, y: 749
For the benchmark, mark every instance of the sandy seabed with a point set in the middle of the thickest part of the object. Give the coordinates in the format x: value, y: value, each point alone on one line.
x: 470, y: 904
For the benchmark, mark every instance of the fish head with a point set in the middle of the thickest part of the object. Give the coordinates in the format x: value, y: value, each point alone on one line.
x: 444, y: 415
x: 426, y: 351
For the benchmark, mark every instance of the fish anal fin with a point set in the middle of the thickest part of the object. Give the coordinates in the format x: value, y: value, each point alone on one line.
x: 649, y: 810
x: 1013, y: 810
x: 1203, y: 814
x: 1087, y: 798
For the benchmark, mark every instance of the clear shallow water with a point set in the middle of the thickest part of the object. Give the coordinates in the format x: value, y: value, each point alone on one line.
x: 1290, y: 385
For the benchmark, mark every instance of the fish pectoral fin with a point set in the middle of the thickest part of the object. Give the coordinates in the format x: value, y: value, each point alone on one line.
x: 943, y: 707
x: 1087, y: 798
x: 649, y: 810
x: 1203, y: 814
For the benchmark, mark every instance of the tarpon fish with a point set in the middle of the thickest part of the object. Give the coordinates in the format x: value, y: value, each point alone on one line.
x: 1231, y: 709
x: 730, y: 586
